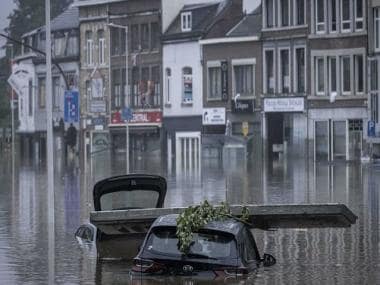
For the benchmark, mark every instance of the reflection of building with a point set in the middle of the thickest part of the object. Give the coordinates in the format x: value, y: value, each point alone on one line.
x: 284, y: 56
x: 32, y: 101
x: 337, y: 101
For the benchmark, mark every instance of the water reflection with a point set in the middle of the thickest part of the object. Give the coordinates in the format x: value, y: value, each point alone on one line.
x: 318, y: 256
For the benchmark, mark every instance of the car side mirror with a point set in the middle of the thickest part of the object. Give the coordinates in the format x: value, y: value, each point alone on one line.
x: 268, y: 260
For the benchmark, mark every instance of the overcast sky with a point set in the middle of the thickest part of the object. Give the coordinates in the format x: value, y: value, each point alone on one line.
x: 6, y: 7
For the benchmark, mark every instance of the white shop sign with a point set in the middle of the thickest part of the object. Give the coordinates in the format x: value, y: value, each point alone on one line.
x: 214, y: 116
x: 284, y: 104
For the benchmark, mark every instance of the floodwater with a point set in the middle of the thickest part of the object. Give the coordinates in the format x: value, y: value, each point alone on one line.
x: 313, y: 256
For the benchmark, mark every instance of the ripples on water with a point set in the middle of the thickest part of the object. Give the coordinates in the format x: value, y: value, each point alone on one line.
x: 312, y: 256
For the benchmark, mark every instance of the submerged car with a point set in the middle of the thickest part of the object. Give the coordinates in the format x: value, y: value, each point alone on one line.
x: 219, y: 250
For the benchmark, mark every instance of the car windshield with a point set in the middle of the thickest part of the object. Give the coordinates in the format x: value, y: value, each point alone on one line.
x: 213, y: 245
x: 123, y: 200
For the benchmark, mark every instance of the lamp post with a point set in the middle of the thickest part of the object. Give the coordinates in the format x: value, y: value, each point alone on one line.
x: 127, y: 93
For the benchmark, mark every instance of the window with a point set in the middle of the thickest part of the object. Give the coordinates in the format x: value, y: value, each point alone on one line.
x: 144, y: 29
x: 333, y: 15
x: 89, y: 48
x: 319, y: 63
x: 244, y: 80
x: 375, y: 108
x: 284, y: 71
x: 269, y: 11
x: 168, y: 79
x: 30, y: 94
x: 73, y: 45
x: 187, y: 85
x: 300, y: 12
x: 359, y: 73
x: 320, y: 15
x: 56, y: 92
x: 376, y: 21
x: 345, y: 15
x: 115, y: 41
x: 215, y: 82
x: 284, y: 12
x: 42, y: 92
x: 135, y: 37
x: 59, y: 44
x: 359, y: 15
x: 374, y: 75
x: 186, y: 21
x: 332, y: 74
x: 300, y: 70
x: 101, y: 47
x: 116, y: 88
x: 269, y: 71
x: 155, y: 85
x: 154, y: 35
x: 346, y: 73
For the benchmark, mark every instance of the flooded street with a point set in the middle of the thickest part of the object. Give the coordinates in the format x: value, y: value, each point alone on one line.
x: 315, y: 256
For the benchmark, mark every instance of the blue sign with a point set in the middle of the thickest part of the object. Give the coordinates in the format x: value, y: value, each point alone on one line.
x: 127, y: 114
x: 371, y: 129
x: 71, y: 106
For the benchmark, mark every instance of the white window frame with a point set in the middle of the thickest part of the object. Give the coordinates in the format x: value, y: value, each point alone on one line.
x: 356, y: 73
x: 376, y: 23
x: 358, y: 19
x: 342, y: 21
x: 265, y: 20
x: 168, y: 84
x: 265, y: 70
x: 212, y: 64
x: 318, y: 92
x: 295, y: 74
x: 244, y: 62
x: 102, y: 58
x: 280, y: 87
x: 295, y: 9
x: 317, y: 24
x: 345, y: 92
x: 89, y: 52
x: 279, y: 5
x: 336, y: 73
x: 186, y: 21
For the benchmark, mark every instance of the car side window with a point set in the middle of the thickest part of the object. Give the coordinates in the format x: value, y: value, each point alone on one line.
x: 250, y: 250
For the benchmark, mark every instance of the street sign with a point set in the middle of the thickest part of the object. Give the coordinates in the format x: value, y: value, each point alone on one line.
x: 127, y: 114
x: 371, y: 129
x: 71, y: 110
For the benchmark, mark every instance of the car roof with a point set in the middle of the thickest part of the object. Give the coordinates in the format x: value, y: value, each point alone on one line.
x: 229, y: 225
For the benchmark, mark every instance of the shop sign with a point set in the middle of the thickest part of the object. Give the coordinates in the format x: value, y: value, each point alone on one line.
x: 224, y: 67
x: 138, y: 118
x: 97, y: 106
x: 214, y: 116
x: 284, y: 104
x: 242, y: 106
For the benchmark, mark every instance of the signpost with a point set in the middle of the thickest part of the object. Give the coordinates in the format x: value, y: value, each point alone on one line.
x: 71, y: 108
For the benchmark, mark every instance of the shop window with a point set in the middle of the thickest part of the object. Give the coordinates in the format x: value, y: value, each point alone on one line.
x: 339, y: 139
x: 187, y: 85
x: 269, y: 71
x: 320, y: 15
x: 42, y: 92
x: 215, y: 82
x: 345, y: 15
x: 321, y: 140
x: 244, y: 80
x: 284, y: 71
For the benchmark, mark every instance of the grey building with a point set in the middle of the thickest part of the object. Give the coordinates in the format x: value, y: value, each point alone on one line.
x: 32, y: 101
x: 337, y: 102
x: 285, y: 85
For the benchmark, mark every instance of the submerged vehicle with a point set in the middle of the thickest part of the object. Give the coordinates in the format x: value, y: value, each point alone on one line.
x: 120, y: 193
x: 219, y: 250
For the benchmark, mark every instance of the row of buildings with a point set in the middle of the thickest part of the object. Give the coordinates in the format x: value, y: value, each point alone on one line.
x: 203, y: 77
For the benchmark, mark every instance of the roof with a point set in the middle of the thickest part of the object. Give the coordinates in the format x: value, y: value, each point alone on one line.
x: 69, y: 19
x: 203, y: 16
x: 230, y: 226
x: 249, y: 26
x: 81, y: 3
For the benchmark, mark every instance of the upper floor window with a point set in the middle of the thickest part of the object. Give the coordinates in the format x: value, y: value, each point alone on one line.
x: 59, y: 44
x: 187, y: 81
x: 300, y: 70
x: 358, y: 14
x: 269, y: 10
x: 346, y: 15
x: 284, y: 12
x: 144, y: 36
x: 320, y: 15
x: 135, y: 37
x: 284, y: 71
x: 244, y: 79
x: 319, y: 74
x: 214, y: 82
x: 186, y: 21
x: 154, y: 35
x: 41, y: 92
x: 72, y: 45
x: 101, y: 47
x: 376, y: 22
x: 30, y: 94
x: 56, y: 92
x: 346, y: 74
x: 269, y: 83
x: 89, y: 48
x: 300, y: 12
x: 168, y: 84
x: 333, y: 16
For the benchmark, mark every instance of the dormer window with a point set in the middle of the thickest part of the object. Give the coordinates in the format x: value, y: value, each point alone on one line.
x: 186, y: 21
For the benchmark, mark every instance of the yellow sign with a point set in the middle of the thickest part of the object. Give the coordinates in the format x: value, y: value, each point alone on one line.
x: 245, y: 128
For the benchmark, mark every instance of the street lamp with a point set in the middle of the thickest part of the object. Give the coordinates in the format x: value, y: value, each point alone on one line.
x: 127, y: 93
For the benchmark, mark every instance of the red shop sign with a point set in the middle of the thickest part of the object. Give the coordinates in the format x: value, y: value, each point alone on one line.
x: 138, y: 118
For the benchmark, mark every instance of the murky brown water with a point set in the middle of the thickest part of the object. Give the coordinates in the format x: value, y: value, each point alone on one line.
x: 313, y: 256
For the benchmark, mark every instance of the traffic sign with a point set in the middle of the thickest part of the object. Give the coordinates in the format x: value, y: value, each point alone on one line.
x: 71, y: 110
x: 371, y: 129
x: 127, y: 114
